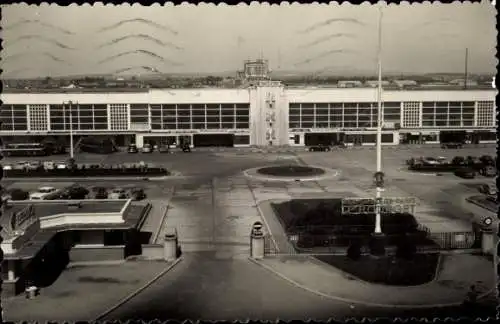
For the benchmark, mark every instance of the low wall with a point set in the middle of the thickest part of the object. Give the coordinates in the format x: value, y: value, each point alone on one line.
x: 152, y: 251
x: 11, y: 288
x: 102, y: 253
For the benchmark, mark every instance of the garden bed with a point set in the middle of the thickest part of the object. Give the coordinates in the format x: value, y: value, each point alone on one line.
x: 291, y: 171
x: 387, y: 270
x: 321, y: 223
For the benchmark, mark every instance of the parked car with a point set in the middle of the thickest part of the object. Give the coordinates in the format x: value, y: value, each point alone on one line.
x: 163, y: 149
x: 132, y: 148
x: 488, y: 171
x: 488, y: 189
x: 319, y: 148
x: 458, y: 160
x: 42, y: 193
x: 466, y: 173
x: 454, y: 145
x: 100, y: 193
x: 411, y: 161
x: 147, y: 148
x: 118, y: 193
x: 5, y: 197
x: 75, y: 192
x: 21, y: 165
x: 430, y: 161
x: 487, y: 160
x: 137, y: 194
x: 60, y: 165
x: 34, y: 165
x: 7, y: 167
x: 185, y: 148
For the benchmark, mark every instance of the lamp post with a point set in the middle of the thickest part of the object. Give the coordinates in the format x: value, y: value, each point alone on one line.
x: 378, y: 244
x: 378, y: 228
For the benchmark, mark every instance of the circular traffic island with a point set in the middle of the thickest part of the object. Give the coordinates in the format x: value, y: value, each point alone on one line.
x: 291, y: 171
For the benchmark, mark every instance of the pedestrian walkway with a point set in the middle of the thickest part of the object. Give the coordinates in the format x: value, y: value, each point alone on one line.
x: 155, y: 218
x: 449, y: 288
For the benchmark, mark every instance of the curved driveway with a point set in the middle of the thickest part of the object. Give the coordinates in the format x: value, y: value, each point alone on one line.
x: 205, y: 287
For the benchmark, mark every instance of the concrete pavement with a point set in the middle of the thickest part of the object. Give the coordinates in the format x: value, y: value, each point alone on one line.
x: 81, y: 293
x: 448, y: 289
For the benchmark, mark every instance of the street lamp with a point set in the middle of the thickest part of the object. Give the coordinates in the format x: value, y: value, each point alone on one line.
x: 378, y: 246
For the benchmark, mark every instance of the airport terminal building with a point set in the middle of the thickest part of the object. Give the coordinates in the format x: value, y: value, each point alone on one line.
x: 265, y: 113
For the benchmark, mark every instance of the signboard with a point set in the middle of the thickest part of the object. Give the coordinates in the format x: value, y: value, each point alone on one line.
x: 24, y: 217
x: 300, y: 130
x: 388, y: 205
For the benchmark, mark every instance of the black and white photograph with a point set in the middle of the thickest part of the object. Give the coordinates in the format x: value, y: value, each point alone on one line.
x: 248, y: 162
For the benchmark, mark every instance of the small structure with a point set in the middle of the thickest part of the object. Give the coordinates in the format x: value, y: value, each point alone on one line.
x: 462, y: 83
x: 170, y: 244
x: 59, y: 229
x: 374, y: 83
x: 405, y: 83
x: 257, y: 241
x: 349, y: 84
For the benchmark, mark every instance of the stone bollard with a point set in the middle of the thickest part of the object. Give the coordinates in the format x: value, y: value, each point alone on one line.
x: 488, y: 241
x: 257, y: 241
x: 170, y: 245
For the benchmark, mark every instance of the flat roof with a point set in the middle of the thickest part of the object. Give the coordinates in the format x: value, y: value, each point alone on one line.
x: 47, y: 209
x: 132, y: 219
x: 394, y: 87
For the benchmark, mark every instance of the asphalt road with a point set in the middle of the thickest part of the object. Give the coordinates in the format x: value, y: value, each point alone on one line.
x: 222, y: 284
x: 206, y: 287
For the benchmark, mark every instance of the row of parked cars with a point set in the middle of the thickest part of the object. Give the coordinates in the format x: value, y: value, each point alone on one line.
x: 148, y: 148
x: 325, y: 148
x: 74, y: 192
x: 465, y: 167
x: 36, y: 165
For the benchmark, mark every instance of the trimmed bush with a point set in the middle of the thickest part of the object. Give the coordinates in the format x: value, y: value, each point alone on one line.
x: 354, y: 250
x: 19, y: 194
x: 406, y: 248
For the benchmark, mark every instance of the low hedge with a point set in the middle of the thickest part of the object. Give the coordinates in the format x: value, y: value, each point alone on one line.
x: 86, y: 172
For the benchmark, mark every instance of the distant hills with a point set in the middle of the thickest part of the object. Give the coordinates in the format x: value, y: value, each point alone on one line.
x: 277, y: 74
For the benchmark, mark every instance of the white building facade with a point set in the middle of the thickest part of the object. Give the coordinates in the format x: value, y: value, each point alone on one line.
x: 266, y: 114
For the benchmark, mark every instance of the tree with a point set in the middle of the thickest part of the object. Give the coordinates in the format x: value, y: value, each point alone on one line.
x: 19, y: 194
x: 71, y: 163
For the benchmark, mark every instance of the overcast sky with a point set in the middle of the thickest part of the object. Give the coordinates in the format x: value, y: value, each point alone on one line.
x: 421, y: 38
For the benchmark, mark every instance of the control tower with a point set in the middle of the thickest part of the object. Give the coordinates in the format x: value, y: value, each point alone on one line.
x: 255, y: 70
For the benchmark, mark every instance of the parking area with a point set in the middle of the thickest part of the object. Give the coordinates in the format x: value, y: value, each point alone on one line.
x: 214, y: 204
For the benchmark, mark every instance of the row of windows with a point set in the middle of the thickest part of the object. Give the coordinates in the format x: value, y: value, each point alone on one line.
x: 219, y: 125
x: 183, y: 107
x: 391, y: 111
x: 209, y: 112
x: 83, y: 117
x: 201, y: 119
x: 331, y: 124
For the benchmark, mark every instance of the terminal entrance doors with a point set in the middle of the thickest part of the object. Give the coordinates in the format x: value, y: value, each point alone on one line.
x: 311, y: 139
x: 220, y: 140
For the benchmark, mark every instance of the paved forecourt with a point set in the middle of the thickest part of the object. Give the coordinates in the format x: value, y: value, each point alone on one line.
x: 441, y: 199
